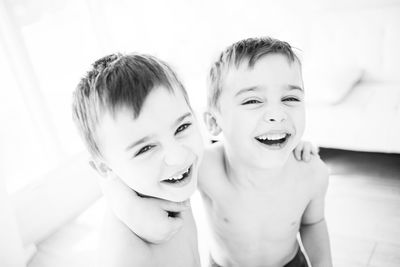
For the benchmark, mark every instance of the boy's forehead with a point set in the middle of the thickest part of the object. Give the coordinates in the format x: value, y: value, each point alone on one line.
x: 274, y: 69
x: 161, y: 109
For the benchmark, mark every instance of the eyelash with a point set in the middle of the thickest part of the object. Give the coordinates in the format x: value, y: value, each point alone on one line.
x: 144, y: 149
x: 291, y: 99
x: 251, y: 101
x: 254, y: 101
x: 182, y: 128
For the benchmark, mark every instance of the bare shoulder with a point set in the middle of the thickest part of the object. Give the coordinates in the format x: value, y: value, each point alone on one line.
x: 318, y: 172
x: 119, y: 246
x: 213, y: 181
x: 211, y: 165
x: 314, y: 173
x: 213, y: 153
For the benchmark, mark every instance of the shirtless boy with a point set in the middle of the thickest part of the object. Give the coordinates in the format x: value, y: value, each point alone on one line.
x: 135, y: 118
x: 257, y: 196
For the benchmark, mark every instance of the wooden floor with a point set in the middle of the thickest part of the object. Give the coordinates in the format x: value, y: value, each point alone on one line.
x: 363, y: 208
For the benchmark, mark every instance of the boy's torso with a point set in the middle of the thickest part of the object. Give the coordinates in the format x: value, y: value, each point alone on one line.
x: 253, y: 227
x: 180, y: 251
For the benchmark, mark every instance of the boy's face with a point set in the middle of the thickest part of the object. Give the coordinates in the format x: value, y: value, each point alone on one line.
x: 262, y: 112
x: 158, y: 153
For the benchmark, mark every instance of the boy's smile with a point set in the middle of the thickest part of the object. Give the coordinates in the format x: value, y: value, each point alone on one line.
x: 261, y: 110
x: 274, y: 139
x: 179, y: 179
x: 158, y: 153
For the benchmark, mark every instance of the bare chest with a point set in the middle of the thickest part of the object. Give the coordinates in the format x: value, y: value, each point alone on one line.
x: 258, y: 216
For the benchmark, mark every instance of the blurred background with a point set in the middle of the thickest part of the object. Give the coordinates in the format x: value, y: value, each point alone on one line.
x: 50, y: 203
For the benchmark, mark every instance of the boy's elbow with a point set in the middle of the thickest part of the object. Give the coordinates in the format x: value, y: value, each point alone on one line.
x: 313, y: 223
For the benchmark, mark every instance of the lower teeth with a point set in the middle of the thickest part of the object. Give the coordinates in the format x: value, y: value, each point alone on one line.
x: 273, y: 142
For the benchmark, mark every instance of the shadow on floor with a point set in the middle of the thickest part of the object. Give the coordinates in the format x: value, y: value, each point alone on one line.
x: 353, y: 162
x: 363, y: 208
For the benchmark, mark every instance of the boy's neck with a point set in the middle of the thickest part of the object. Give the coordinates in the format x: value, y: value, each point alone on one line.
x: 246, y: 176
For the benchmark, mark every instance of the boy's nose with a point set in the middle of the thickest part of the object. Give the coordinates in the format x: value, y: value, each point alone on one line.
x: 275, y: 115
x: 176, y: 155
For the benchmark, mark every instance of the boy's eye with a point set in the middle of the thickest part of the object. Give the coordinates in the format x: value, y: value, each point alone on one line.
x: 291, y: 99
x: 251, y: 101
x: 144, y: 150
x: 182, y: 127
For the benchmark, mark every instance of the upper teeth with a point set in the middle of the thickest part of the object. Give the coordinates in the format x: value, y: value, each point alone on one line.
x: 178, y: 177
x: 272, y: 136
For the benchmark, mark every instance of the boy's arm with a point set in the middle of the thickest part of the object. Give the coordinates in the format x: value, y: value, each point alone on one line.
x: 313, y: 230
x: 119, y: 246
x: 148, y: 218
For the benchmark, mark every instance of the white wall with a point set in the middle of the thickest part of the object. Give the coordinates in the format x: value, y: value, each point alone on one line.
x: 11, y: 250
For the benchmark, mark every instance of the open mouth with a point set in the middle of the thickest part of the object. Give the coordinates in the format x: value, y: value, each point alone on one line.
x: 179, y: 179
x: 273, y: 140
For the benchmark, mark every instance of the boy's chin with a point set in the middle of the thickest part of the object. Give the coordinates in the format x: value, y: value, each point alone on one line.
x: 180, y: 195
x: 273, y: 164
x: 274, y: 160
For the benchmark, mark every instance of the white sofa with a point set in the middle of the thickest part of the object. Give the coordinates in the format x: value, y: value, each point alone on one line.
x: 352, y: 80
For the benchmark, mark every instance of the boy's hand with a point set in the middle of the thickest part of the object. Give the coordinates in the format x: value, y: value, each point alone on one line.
x: 304, y: 150
x: 147, y: 217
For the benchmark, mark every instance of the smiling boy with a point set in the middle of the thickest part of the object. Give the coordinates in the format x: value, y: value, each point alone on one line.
x: 257, y: 196
x: 135, y: 118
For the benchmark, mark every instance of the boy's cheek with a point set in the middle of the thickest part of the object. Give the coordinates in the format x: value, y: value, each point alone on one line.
x: 302, y: 125
x: 298, y: 118
x: 195, y: 143
x: 137, y: 178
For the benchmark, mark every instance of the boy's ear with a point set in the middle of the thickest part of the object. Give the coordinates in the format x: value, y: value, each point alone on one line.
x: 211, y: 123
x: 100, y: 167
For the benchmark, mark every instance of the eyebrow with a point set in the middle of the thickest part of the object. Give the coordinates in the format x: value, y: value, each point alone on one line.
x: 295, y: 87
x: 138, y: 142
x: 184, y: 116
x: 146, y: 138
x: 255, y: 88
x: 245, y: 90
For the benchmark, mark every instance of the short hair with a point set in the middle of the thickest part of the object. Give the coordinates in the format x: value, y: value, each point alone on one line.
x: 248, y: 50
x: 115, y: 81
